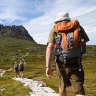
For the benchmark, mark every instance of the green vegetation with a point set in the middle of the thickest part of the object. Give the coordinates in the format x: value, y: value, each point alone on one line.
x: 12, y: 50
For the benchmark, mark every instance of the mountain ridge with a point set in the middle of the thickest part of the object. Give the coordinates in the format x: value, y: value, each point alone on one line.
x: 15, y: 32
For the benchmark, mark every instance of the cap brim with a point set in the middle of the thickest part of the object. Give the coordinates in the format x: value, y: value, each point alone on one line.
x: 61, y: 19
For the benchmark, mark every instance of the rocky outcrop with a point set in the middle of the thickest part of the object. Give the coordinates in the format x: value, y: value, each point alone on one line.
x: 15, y: 32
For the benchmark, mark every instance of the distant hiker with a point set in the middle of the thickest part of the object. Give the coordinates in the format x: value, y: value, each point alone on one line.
x: 68, y: 39
x: 16, y: 69
x: 21, y: 67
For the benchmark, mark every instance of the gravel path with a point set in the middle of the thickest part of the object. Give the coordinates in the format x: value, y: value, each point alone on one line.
x: 37, y: 88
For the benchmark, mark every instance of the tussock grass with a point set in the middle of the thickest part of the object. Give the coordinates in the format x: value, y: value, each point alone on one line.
x: 12, y: 49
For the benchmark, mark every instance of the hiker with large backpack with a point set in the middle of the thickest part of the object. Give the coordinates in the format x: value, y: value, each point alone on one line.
x: 16, y: 69
x: 68, y: 41
x: 21, y: 67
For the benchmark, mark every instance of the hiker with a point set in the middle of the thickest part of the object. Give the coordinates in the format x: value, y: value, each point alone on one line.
x: 21, y: 67
x: 67, y: 40
x: 16, y: 69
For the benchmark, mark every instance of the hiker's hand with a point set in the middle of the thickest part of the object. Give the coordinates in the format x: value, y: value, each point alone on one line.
x: 25, y: 63
x: 48, y: 73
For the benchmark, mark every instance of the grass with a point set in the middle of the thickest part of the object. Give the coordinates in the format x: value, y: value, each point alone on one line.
x: 90, y: 76
x: 12, y: 49
x: 12, y: 88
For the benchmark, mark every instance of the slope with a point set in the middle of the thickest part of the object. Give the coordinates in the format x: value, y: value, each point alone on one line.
x: 12, y: 49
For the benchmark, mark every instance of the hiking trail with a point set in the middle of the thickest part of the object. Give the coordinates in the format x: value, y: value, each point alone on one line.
x: 37, y: 88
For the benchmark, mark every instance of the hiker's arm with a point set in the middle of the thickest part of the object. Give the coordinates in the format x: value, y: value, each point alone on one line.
x: 83, y: 34
x: 48, y: 59
x: 24, y: 62
x: 49, y: 54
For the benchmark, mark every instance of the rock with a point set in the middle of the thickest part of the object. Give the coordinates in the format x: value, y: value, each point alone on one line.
x: 2, y: 72
x: 15, y: 32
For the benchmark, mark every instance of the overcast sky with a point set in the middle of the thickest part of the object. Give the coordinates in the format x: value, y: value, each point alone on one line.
x: 38, y: 16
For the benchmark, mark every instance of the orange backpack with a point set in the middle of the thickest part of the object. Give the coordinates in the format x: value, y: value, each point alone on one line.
x: 68, y: 45
x: 69, y: 32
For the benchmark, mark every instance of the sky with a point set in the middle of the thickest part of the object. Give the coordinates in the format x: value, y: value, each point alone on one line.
x: 38, y: 16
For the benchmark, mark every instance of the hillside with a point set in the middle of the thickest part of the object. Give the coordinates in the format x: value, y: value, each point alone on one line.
x: 12, y: 49
x: 15, y: 32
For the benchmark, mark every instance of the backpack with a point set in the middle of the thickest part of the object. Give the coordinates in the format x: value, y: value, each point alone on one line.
x: 67, y: 48
x: 16, y: 66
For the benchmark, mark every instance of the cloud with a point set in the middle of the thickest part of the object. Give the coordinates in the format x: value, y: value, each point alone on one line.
x: 40, y: 27
x: 21, y: 10
x: 38, y: 15
x: 8, y: 12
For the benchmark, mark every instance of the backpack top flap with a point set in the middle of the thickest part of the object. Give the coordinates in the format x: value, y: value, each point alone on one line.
x: 66, y: 26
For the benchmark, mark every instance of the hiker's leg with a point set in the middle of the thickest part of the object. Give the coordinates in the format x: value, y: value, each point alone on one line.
x: 62, y: 87
x: 77, y: 80
x: 15, y: 75
x: 62, y: 83
x: 63, y: 93
x: 62, y: 90
x: 18, y: 74
x: 21, y: 74
x: 21, y: 71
